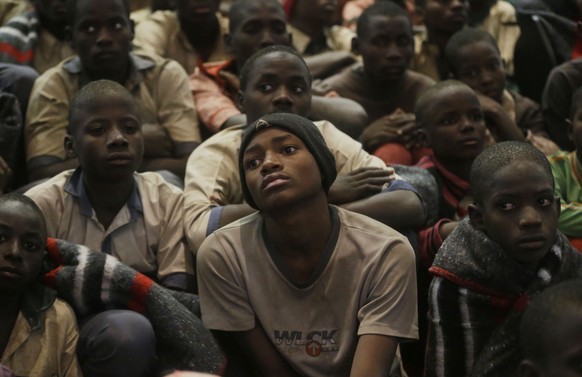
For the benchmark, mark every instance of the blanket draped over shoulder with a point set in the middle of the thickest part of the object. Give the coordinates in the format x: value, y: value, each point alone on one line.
x: 18, y: 38
x: 477, y: 298
x: 92, y: 282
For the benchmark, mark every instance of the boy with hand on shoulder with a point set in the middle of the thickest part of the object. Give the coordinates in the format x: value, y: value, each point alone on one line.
x: 567, y: 171
x: 473, y: 57
x: 283, y: 271
x: 38, y: 332
x: 383, y: 85
x: 492, y: 264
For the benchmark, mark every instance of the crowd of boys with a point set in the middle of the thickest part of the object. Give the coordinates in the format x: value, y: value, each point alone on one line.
x: 304, y: 195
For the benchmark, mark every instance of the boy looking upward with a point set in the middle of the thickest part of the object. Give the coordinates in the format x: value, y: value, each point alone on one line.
x: 295, y: 254
x: 494, y: 262
x: 38, y: 332
x: 101, y: 33
x: 276, y: 79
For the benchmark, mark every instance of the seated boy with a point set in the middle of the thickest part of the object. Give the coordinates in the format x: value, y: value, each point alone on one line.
x: 383, y: 85
x: 487, y: 270
x: 101, y: 35
x: 302, y: 287
x: 38, y: 332
x: 550, y: 332
x: 473, y: 57
x: 193, y: 33
x: 442, y: 19
x: 567, y: 171
x: 276, y: 79
x: 104, y: 204
x: 255, y: 24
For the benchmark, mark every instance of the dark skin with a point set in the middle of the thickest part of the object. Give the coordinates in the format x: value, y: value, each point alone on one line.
x: 52, y: 15
x: 201, y: 29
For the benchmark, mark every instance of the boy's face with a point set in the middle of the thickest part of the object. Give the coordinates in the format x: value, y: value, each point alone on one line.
x: 102, y: 35
x: 107, y: 138
x: 446, y: 16
x: 22, y: 240
x: 52, y: 10
x: 260, y: 25
x: 193, y: 10
x: 479, y: 65
x: 564, y: 348
x: 386, y: 47
x: 454, y: 125
x: 280, y: 170
x: 520, y: 212
x: 277, y: 83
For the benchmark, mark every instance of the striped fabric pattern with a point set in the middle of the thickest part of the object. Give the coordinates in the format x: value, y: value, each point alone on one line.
x: 18, y: 38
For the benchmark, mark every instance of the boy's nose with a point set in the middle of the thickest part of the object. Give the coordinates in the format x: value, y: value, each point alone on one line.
x: 529, y: 217
x: 104, y: 36
x: 283, y: 97
x: 270, y: 163
x: 267, y: 38
x: 11, y: 250
x: 116, y: 137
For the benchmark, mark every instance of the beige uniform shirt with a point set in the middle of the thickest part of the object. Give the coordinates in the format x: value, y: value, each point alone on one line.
x: 147, y: 234
x: 502, y: 25
x: 50, y: 52
x: 425, y: 57
x: 160, y: 34
x: 212, y: 171
x: 159, y: 86
x: 338, y: 38
x: 364, y: 284
x: 47, y: 351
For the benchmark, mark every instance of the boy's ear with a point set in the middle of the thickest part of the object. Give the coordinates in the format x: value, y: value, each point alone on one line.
x: 558, y: 205
x: 356, y: 45
x: 422, y: 137
x: 70, y: 147
x: 240, y: 101
x: 476, y: 216
x: 528, y: 368
x: 570, y: 129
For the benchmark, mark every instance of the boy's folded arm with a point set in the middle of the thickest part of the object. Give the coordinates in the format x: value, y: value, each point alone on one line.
x: 374, y: 355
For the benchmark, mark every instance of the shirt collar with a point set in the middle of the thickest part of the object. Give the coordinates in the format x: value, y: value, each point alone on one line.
x: 37, y: 298
x: 76, y: 187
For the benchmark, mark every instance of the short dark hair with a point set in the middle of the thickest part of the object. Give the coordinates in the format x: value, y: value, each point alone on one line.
x: 461, y: 39
x: 238, y: 6
x: 381, y: 8
x: 544, y: 312
x: 72, y: 6
x: 90, y: 92
x: 498, y: 156
x: 250, y: 63
x: 432, y: 93
x: 27, y: 202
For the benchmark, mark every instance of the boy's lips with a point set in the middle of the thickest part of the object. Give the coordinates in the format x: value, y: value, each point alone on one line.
x: 10, y: 272
x: 470, y: 141
x: 535, y: 241
x: 273, y: 180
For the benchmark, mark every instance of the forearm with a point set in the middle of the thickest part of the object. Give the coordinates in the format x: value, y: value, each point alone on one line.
x: 233, y: 212
x: 374, y: 356
x: 400, y: 209
x: 327, y: 63
x: 505, y: 127
x: 347, y: 115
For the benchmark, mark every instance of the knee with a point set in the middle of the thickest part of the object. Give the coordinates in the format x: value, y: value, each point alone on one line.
x: 116, y: 343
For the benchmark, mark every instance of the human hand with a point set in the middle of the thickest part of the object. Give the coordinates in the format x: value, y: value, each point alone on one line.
x: 397, y: 127
x: 156, y: 142
x: 232, y: 80
x: 360, y: 184
x: 217, y: 198
x: 5, y: 175
x: 447, y: 228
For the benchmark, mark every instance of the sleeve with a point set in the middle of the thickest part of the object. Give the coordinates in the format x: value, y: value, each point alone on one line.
x: 224, y: 300
x: 150, y: 36
x: 46, y: 117
x: 391, y: 305
x: 349, y: 154
x: 175, y: 262
x: 430, y: 241
x: 213, y: 106
x: 570, y: 222
x: 50, y: 201
x: 69, y: 361
x: 529, y: 116
x: 212, y: 170
x: 176, y: 109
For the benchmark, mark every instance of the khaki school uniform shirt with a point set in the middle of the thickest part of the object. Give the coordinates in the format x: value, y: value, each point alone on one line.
x: 426, y: 56
x: 147, y: 234
x: 212, y: 172
x: 50, y: 51
x: 338, y: 38
x: 160, y: 89
x: 47, y: 348
x: 161, y: 34
x: 365, y: 283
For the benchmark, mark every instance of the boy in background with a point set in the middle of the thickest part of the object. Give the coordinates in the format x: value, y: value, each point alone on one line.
x: 38, y: 331
x: 567, y: 171
x: 508, y: 250
x: 283, y: 271
x: 383, y: 85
